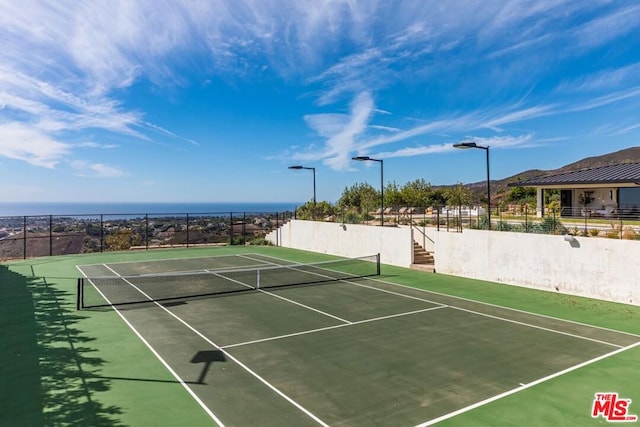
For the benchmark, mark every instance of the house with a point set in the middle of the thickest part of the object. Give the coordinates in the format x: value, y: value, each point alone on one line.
x: 606, y: 191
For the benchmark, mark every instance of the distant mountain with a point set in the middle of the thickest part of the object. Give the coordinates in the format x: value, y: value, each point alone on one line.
x: 628, y: 155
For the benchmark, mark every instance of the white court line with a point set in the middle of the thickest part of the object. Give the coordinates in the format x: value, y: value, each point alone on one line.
x: 536, y: 326
x: 282, y: 298
x: 504, y: 319
x: 164, y: 362
x: 472, y: 311
x: 171, y: 259
x: 507, y: 308
x: 362, y: 285
x: 311, y: 331
x: 242, y: 365
x: 524, y: 387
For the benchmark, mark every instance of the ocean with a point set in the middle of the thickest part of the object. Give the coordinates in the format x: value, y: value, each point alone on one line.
x: 72, y: 209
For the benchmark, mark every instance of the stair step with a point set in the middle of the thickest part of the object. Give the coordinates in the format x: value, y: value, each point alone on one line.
x: 422, y: 259
x: 428, y: 268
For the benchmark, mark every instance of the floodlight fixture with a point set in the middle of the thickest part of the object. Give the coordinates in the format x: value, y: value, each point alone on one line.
x: 369, y: 159
x: 299, y: 167
x: 470, y: 144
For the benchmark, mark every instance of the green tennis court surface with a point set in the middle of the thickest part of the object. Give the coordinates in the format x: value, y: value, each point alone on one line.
x: 330, y: 348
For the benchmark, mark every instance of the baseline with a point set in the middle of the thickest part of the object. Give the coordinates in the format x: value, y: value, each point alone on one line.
x: 525, y: 386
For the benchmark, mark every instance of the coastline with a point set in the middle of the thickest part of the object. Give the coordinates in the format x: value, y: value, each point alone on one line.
x: 112, y: 208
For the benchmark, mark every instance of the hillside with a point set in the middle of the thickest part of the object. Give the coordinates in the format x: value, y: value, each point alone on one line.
x: 628, y: 155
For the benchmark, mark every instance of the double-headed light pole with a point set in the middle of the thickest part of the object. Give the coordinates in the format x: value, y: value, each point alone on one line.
x: 369, y: 159
x: 297, y: 167
x: 465, y: 145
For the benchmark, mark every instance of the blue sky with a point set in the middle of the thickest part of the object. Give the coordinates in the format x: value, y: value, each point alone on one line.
x: 185, y: 101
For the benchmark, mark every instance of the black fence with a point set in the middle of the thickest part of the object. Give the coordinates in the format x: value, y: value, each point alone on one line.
x: 623, y: 223
x: 46, y: 235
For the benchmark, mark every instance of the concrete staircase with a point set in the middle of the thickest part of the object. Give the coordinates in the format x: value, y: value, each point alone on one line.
x: 422, y: 260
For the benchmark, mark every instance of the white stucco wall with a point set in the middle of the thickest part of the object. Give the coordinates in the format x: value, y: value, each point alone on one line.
x: 349, y: 240
x: 599, y: 268
x: 592, y: 267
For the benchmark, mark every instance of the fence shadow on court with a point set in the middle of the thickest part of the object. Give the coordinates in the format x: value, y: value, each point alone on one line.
x: 46, y: 362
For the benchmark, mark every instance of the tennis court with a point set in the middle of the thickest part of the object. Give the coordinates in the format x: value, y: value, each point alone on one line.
x: 260, y: 340
x: 242, y: 336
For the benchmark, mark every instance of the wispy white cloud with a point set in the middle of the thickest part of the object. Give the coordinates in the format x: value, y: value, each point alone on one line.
x: 342, y: 133
x: 91, y: 144
x: 21, y: 142
x: 495, y: 142
x: 77, y: 57
x: 169, y: 133
x: 346, y: 134
x: 327, y: 125
x: 519, y: 115
x: 385, y: 128
x: 627, y: 129
x: 82, y: 57
x: 415, y: 151
x: 602, y: 80
x: 97, y: 170
x: 604, y: 100
x: 508, y: 141
x: 607, y: 27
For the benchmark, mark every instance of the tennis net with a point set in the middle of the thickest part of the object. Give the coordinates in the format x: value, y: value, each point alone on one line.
x: 135, y: 289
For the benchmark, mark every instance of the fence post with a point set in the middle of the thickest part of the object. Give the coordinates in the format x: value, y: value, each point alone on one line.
x: 620, y: 228
x: 447, y: 220
x: 146, y: 231
x: 244, y: 228
x: 24, y: 237
x: 187, y: 230
x: 101, y: 233
x: 50, y: 235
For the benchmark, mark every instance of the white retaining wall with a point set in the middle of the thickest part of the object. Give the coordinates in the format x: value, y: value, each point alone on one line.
x: 394, y: 244
x: 599, y: 268
x: 607, y: 269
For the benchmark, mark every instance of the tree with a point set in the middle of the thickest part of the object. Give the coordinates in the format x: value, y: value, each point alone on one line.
x: 323, y: 210
x: 417, y: 193
x: 458, y: 195
x: 438, y: 197
x: 361, y: 196
x: 393, y: 195
x: 521, y: 195
x: 120, y: 240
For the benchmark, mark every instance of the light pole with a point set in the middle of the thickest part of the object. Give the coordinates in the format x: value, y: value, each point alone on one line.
x: 465, y: 145
x: 369, y: 159
x: 297, y: 167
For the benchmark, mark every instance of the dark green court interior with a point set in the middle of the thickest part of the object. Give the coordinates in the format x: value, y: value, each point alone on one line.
x: 403, y: 348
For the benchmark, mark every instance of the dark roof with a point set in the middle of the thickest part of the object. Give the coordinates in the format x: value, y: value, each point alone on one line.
x: 613, y: 174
